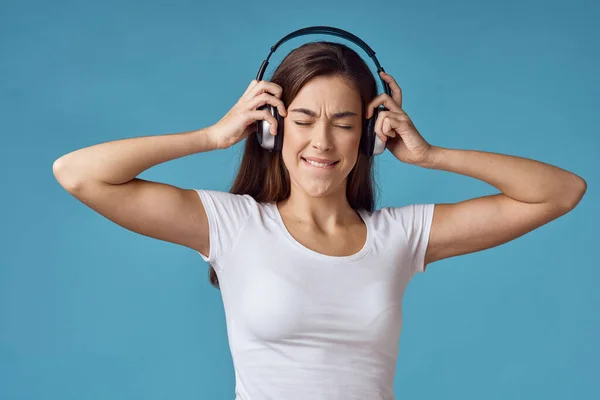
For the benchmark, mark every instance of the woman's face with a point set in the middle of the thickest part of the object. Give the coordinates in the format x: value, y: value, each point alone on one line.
x: 322, y: 133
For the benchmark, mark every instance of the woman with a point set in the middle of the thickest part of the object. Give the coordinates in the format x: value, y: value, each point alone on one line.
x: 312, y: 277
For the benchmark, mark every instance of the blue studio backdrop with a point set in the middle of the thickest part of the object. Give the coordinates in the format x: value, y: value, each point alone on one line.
x: 91, y: 311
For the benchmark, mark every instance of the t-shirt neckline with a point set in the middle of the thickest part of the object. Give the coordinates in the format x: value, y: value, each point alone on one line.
x: 335, y: 259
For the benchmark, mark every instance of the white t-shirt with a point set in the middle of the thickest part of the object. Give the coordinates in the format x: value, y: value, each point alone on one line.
x: 304, y: 325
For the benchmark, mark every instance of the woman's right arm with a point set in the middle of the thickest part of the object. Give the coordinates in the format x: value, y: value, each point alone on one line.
x: 103, y: 177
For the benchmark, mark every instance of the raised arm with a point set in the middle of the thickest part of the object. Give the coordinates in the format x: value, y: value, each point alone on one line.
x: 533, y: 193
x: 103, y: 177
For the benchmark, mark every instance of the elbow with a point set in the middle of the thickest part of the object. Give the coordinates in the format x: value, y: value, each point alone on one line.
x: 574, y: 193
x: 65, y: 175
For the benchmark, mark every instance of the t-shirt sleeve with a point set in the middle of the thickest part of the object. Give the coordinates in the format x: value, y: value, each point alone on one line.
x: 416, y: 220
x: 226, y: 214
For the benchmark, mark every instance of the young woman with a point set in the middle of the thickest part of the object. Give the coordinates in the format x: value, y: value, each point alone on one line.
x: 312, y: 277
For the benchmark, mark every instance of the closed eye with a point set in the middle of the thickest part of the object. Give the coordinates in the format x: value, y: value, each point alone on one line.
x: 308, y: 123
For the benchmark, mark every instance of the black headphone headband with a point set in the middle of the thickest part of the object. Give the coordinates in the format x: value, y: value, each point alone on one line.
x: 327, y: 30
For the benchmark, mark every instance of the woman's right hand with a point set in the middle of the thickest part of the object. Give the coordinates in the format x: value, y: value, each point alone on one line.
x: 240, y: 121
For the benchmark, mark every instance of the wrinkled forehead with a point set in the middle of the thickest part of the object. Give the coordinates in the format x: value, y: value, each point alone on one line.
x: 328, y: 94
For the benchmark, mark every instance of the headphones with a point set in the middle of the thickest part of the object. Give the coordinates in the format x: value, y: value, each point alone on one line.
x: 370, y: 143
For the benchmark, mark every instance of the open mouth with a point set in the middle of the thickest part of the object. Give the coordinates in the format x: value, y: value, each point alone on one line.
x: 318, y: 164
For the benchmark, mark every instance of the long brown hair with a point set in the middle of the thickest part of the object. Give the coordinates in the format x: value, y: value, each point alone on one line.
x: 262, y: 174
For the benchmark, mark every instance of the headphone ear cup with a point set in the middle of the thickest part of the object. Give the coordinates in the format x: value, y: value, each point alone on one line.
x: 263, y: 130
x: 279, y: 137
x: 367, y: 144
x: 372, y: 145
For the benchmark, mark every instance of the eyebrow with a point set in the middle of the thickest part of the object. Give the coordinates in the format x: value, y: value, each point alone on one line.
x: 311, y: 113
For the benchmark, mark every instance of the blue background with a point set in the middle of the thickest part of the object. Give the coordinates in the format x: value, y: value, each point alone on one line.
x: 89, y: 310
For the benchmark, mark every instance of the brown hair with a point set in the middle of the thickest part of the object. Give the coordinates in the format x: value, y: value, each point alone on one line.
x: 262, y: 174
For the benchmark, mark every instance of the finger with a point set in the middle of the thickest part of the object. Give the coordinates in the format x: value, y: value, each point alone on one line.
x: 381, y: 127
x: 264, y: 115
x: 396, y: 90
x: 372, y: 105
x: 250, y: 86
x: 385, y: 100
x: 266, y: 87
x: 378, y: 128
x: 387, y: 123
x: 388, y: 128
x: 267, y: 98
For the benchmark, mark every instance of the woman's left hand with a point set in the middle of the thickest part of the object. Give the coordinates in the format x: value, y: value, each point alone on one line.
x: 395, y: 127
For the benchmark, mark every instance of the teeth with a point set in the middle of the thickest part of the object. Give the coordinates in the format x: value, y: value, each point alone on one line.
x: 316, y: 164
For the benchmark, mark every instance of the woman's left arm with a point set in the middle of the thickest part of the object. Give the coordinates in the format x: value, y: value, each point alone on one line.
x: 532, y: 193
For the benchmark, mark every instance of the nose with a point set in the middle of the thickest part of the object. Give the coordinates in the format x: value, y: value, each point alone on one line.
x: 322, y: 139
